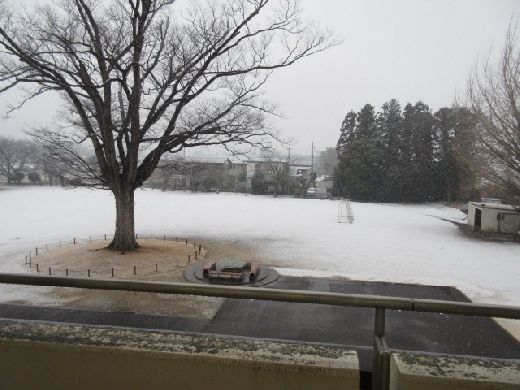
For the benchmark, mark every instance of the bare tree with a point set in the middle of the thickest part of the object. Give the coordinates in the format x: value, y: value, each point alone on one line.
x: 494, y: 95
x: 169, y: 167
x: 277, y: 174
x: 14, y: 155
x: 141, y: 78
x: 177, y: 166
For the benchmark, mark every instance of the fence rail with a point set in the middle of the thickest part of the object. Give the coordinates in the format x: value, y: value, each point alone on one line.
x: 381, y: 354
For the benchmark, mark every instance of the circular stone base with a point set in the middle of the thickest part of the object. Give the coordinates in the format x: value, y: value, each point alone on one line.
x: 265, y: 276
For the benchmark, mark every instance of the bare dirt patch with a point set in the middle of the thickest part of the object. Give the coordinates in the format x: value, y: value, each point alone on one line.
x: 156, y: 259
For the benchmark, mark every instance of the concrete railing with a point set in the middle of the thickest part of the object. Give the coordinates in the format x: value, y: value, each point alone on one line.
x: 381, y: 355
x: 411, y: 371
x: 62, y: 357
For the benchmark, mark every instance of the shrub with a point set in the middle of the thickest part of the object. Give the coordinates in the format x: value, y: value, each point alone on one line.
x: 34, y: 177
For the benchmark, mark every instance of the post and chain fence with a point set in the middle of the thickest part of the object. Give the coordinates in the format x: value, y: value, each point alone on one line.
x: 113, y: 272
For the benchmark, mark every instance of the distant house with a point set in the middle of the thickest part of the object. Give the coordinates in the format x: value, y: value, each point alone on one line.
x: 234, y: 176
x: 199, y: 174
x: 269, y: 169
x: 300, y: 171
x: 280, y: 176
x: 494, y: 217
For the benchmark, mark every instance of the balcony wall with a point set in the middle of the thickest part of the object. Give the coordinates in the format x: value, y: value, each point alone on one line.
x: 51, y: 356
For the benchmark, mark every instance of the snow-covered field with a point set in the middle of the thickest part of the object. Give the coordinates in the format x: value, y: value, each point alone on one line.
x: 397, y: 243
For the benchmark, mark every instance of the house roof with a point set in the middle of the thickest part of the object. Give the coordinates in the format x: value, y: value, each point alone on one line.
x: 496, y: 206
x: 206, y: 160
x: 266, y: 160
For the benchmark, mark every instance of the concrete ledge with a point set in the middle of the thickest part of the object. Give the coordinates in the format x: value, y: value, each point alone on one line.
x: 43, y: 356
x: 428, y: 372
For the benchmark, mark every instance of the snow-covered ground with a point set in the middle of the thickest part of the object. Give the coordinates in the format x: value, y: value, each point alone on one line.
x: 396, y: 243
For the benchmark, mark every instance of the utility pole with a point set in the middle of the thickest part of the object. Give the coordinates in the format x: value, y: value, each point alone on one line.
x: 312, y: 159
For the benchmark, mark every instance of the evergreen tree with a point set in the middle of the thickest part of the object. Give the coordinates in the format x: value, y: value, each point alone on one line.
x: 348, y: 131
x: 454, y: 148
x: 389, y: 123
x: 408, y: 155
x: 447, y: 175
x: 359, y: 173
x: 366, y: 123
x: 417, y: 147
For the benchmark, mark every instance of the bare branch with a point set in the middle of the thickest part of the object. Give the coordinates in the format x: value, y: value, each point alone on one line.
x: 494, y: 94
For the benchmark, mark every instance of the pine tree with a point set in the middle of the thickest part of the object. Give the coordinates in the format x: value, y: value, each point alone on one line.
x: 366, y: 123
x: 406, y: 156
x: 417, y: 147
x: 348, y: 131
x: 389, y: 123
x: 359, y: 173
x: 454, y: 148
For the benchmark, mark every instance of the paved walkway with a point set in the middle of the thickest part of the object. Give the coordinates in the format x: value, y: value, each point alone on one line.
x: 315, y: 323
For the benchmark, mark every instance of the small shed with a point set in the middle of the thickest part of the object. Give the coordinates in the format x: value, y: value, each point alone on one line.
x: 494, y: 217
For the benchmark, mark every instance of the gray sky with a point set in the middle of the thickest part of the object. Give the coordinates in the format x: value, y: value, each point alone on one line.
x: 409, y: 50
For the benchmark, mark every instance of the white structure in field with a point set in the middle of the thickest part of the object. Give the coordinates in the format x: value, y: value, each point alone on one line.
x: 324, y: 186
x: 345, y: 213
x: 494, y: 217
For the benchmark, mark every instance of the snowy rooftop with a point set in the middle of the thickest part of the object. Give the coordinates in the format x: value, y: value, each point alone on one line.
x: 496, y: 206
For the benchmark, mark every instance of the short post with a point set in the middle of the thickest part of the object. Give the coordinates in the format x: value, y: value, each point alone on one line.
x: 186, y: 241
x: 30, y: 263
x: 194, y: 245
x: 164, y: 237
x: 25, y: 259
x: 74, y: 241
x: 37, y: 268
x: 88, y: 273
x: 30, y: 255
x: 196, y: 255
x: 381, y: 354
x: 155, y: 267
x: 66, y: 272
x: 105, y: 237
x: 50, y: 273
x: 189, y: 259
x: 112, y: 272
x: 136, y: 236
x: 36, y: 251
x: 200, y: 248
x: 135, y: 270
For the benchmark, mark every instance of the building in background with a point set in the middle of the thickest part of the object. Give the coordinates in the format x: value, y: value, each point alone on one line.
x: 494, y: 217
x: 324, y: 186
x: 199, y: 174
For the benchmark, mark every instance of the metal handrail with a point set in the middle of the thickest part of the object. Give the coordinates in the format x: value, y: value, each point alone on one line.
x: 380, y: 303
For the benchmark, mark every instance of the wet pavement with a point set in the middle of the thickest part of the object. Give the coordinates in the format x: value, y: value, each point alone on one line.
x: 313, y: 323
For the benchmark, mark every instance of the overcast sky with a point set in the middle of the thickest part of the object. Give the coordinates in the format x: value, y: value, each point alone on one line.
x: 409, y: 50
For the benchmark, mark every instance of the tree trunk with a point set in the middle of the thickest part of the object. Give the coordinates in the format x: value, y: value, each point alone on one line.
x: 124, y: 237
